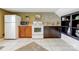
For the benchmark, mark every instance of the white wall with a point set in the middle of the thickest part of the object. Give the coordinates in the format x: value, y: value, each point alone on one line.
x: 63, y: 11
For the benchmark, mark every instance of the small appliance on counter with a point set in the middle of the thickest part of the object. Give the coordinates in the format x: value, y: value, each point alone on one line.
x: 24, y: 23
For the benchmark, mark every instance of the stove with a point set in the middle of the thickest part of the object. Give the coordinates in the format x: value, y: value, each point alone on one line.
x: 37, y: 30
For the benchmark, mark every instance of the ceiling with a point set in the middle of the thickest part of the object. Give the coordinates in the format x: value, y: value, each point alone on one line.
x: 58, y: 11
x: 31, y: 9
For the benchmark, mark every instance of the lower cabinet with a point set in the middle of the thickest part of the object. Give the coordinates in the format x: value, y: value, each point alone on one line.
x: 25, y: 31
x: 52, y: 32
x: 49, y: 32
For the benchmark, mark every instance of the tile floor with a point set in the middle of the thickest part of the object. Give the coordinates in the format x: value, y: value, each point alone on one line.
x: 49, y: 44
x: 32, y: 47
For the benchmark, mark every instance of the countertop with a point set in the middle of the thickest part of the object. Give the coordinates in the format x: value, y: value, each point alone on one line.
x: 44, y: 25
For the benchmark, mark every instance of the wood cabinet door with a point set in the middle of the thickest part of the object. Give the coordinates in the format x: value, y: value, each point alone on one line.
x: 25, y: 31
x: 22, y: 33
x: 52, y: 32
x: 29, y: 31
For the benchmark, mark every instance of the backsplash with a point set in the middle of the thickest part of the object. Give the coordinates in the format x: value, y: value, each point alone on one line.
x: 48, y: 18
x: 51, y: 19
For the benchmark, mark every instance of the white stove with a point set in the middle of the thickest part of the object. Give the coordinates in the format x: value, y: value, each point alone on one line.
x: 37, y: 30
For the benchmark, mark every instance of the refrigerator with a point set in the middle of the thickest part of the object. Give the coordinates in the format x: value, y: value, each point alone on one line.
x: 11, y: 26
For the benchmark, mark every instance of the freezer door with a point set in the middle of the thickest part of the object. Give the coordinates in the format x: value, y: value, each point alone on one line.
x: 9, y: 18
x: 10, y: 31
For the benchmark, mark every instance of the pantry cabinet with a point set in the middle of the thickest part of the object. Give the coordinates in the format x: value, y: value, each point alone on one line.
x: 25, y: 31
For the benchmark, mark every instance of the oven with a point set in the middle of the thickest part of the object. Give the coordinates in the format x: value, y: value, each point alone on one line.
x: 37, y: 29
x: 37, y: 32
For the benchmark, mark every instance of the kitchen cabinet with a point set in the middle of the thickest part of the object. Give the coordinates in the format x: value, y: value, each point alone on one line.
x: 70, y: 25
x: 28, y: 31
x: 52, y: 32
x: 25, y: 31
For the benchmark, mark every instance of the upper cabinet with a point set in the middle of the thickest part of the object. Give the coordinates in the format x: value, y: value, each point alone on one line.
x: 70, y: 24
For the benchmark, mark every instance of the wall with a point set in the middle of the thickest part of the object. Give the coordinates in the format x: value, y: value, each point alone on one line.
x: 2, y: 13
x: 47, y: 17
